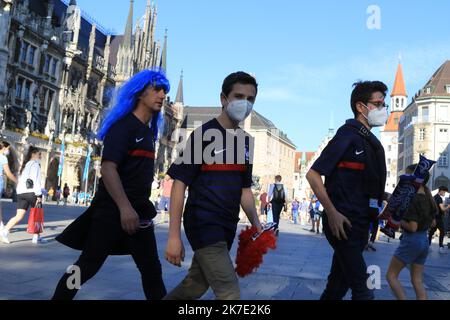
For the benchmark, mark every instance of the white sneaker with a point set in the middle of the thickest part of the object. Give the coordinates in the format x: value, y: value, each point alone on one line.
x: 443, y: 250
x: 4, y: 236
x: 38, y: 239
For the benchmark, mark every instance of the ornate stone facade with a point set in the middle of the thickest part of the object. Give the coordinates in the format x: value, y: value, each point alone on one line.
x: 58, y: 72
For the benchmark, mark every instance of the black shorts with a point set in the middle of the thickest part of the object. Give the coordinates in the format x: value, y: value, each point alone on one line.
x: 26, y: 200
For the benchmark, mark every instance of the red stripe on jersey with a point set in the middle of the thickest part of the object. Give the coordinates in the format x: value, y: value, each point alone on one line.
x: 142, y: 153
x: 224, y: 167
x: 352, y: 165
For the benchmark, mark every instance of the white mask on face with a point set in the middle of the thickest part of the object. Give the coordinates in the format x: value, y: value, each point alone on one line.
x: 376, y: 117
x: 238, y: 110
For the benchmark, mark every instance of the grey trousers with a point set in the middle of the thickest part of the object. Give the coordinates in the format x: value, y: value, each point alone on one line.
x: 211, y: 267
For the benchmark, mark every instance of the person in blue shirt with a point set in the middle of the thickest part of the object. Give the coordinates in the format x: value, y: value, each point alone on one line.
x: 353, y: 164
x: 219, y: 182
x: 295, y: 207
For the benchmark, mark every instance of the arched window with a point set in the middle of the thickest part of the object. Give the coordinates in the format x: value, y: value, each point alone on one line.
x: 441, y: 181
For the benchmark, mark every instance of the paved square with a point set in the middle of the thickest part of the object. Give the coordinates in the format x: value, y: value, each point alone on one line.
x: 297, y: 269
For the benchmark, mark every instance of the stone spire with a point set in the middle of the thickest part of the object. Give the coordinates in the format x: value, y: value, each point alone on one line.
x: 180, y: 97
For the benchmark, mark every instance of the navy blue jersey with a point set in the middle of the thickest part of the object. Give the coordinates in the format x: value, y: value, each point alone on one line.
x: 129, y: 143
x: 342, y: 162
x: 215, y: 188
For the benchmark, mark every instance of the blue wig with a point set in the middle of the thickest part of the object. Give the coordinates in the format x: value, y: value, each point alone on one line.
x: 128, y: 96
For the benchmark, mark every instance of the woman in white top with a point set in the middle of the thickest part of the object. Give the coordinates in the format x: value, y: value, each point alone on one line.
x: 4, y: 168
x: 28, y: 191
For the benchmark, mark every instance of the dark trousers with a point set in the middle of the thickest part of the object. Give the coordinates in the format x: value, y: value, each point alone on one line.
x: 276, y: 211
x: 348, y: 269
x: 440, y: 226
x: 102, y: 238
x: 374, y: 226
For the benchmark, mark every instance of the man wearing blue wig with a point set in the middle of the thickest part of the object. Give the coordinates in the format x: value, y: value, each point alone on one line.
x: 119, y: 220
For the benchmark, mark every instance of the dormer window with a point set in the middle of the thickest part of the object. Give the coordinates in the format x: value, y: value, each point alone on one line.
x: 428, y: 90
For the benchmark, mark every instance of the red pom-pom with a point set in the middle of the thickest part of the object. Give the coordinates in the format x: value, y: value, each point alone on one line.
x: 250, y: 252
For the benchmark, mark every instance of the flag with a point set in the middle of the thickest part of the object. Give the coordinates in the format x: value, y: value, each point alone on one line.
x: 61, y: 160
x: 88, y: 161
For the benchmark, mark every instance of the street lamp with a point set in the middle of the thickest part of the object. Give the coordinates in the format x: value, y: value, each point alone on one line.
x: 50, y: 149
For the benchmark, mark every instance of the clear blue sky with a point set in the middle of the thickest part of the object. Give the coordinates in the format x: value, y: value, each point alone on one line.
x: 305, y: 54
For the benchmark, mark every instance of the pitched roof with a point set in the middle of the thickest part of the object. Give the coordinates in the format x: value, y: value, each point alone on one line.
x: 309, y: 156
x: 298, y: 161
x: 392, y: 123
x: 399, y: 83
x: 438, y: 82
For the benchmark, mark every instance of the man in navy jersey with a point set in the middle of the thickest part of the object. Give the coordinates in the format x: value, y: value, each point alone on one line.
x: 353, y: 164
x: 216, y: 165
x: 119, y: 220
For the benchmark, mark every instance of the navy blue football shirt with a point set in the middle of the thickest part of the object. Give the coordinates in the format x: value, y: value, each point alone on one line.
x: 212, y: 209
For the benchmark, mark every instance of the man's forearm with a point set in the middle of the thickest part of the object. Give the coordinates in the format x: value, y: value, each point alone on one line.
x: 114, y: 186
x: 176, y: 208
x: 316, y: 183
x: 249, y: 207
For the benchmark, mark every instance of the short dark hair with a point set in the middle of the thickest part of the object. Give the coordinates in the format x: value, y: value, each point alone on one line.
x: 443, y: 188
x: 237, y: 77
x: 363, y: 90
x: 4, y: 144
x: 278, y: 177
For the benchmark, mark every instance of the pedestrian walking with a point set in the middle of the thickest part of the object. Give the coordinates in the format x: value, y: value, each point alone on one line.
x: 66, y: 193
x: 440, y: 213
x: 29, y: 192
x: 120, y: 218
x: 413, y: 248
x: 277, y: 198
x: 294, y: 207
x: 4, y: 168
x: 219, y: 184
x: 164, y: 204
x: 354, y: 167
x: 263, y: 207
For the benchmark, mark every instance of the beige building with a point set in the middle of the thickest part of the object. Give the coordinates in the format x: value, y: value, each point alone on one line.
x: 308, y: 159
x: 301, y: 186
x: 425, y: 128
x: 274, y: 153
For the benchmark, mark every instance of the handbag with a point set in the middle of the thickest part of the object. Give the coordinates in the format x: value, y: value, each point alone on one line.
x: 36, y: 220
x: 29, y: 183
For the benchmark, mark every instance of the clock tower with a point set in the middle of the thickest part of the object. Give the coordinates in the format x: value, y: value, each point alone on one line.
x: 389, y: 133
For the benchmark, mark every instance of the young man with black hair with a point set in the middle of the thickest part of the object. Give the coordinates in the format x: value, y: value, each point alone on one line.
x: 353, y: 164
x: 219, y: 183
x: 440, y: 219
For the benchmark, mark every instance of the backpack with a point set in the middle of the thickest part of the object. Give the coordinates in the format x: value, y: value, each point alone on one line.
x: 278, y: 193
